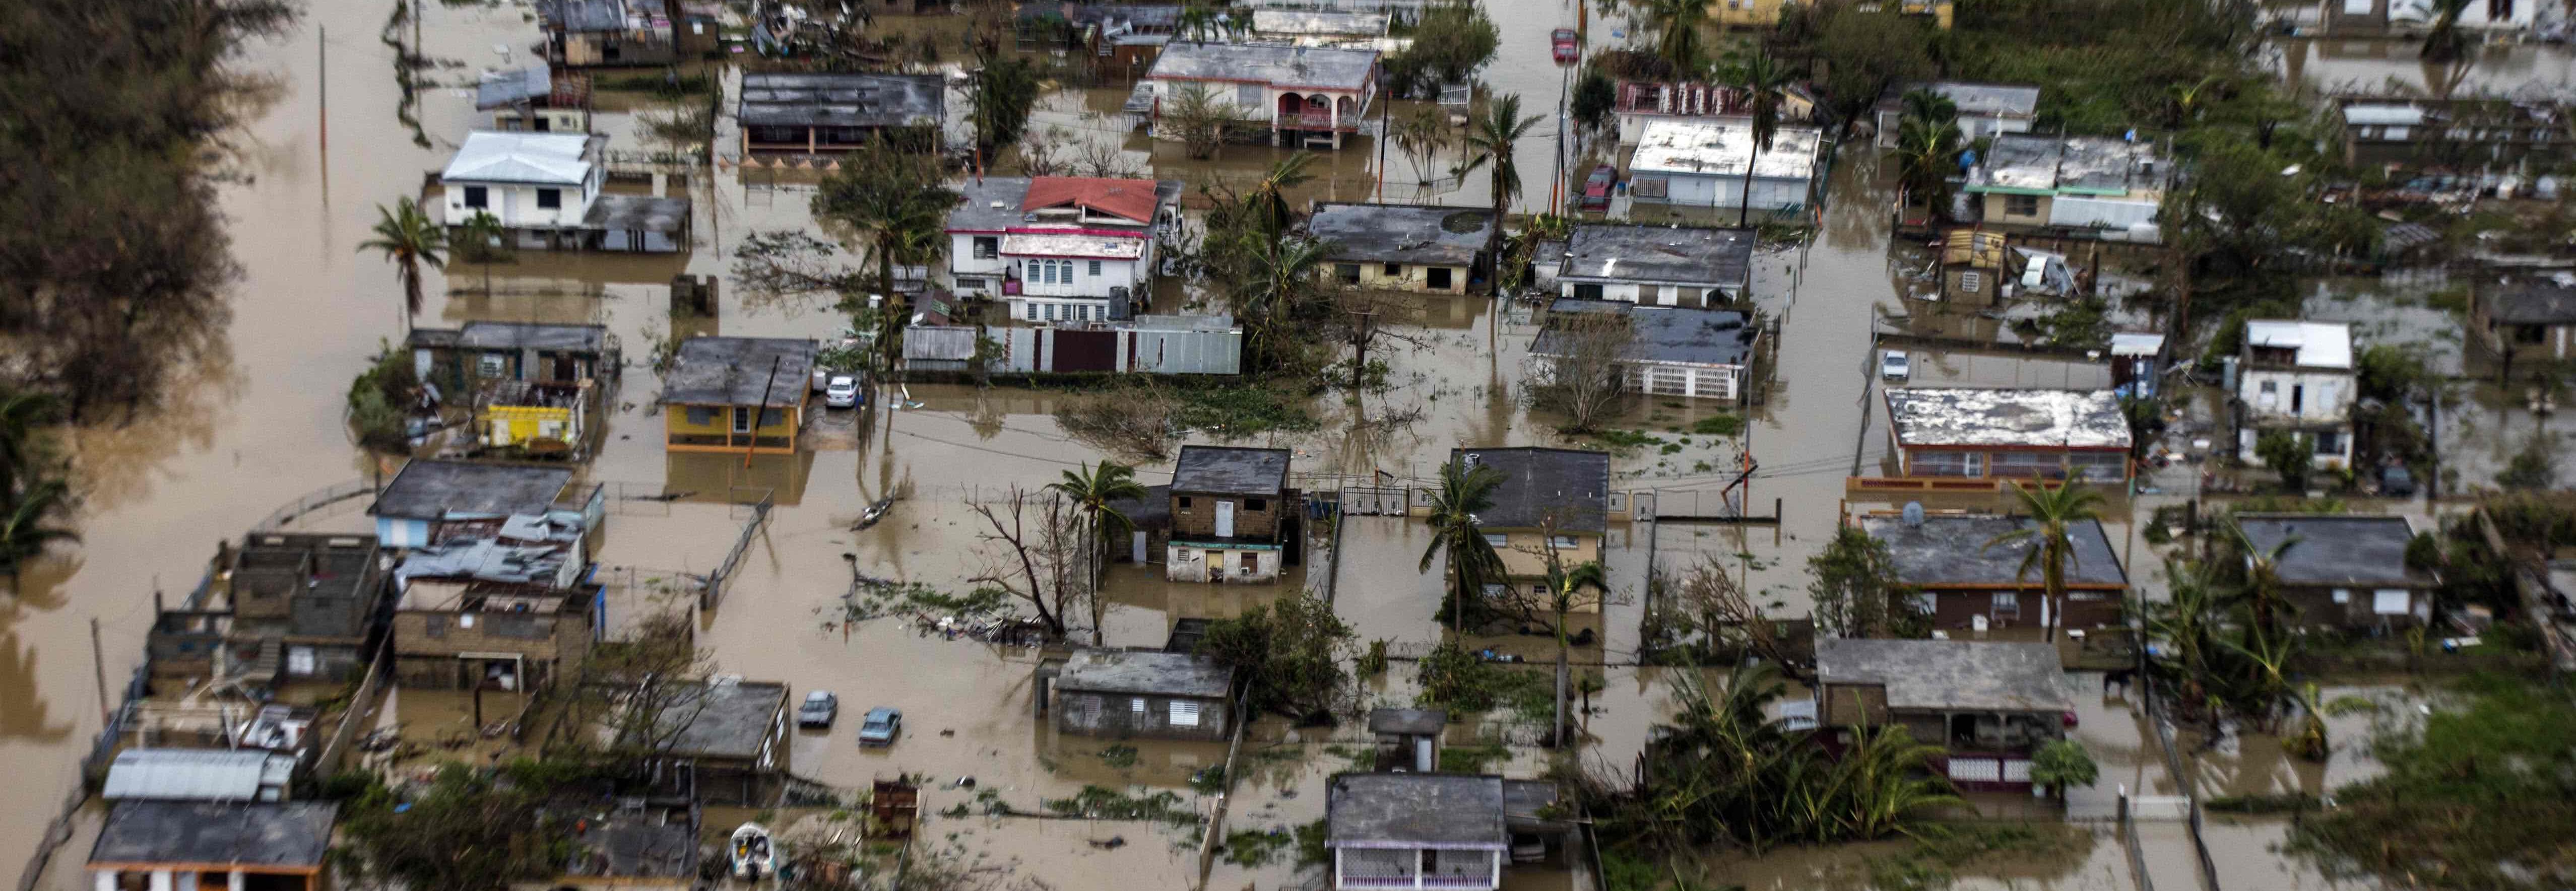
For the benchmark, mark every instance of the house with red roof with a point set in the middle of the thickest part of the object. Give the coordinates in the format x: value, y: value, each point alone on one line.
x: 1060, y: 249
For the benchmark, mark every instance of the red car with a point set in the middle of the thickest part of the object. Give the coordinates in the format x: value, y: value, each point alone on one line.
x: 1563, y: 43
x: 1596, y: 188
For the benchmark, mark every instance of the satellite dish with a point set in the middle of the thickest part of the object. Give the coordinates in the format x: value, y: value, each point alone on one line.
x: 1914, y: 513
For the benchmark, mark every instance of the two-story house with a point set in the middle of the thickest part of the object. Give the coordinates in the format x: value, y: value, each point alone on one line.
x: 2086, y: 186
x: 2296, y: 377
x: 1550, y: 501
x: 530, y: 182
x: 282, y: 607
x: 608, y: 33
x: 1656, y: 265
x: 1227, y: 510
x: 1309, y: 96
x: 535, y: 99
x: 1060, y: 248
x: 1984, y: 109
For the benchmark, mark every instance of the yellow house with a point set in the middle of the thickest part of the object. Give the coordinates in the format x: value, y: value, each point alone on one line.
x: 737, y: 394
x: 1550, y: 500
x: 535, y: 416
x: 1400, y: 247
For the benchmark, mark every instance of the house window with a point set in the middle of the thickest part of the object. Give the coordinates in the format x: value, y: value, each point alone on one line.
x: 1256, y: 504
x: 1440, y: 278
x: 1561, y: 542
x: 1349, y: 273
x: 549, y: 199
x: 1496, y: 540
x: 987, y: 247
x: 302, y: 661
x: 1136, y: 707
x: 1393, y: 270
x: 1948, y: 464
x: 1587, y: 292
x: 741, y: 419
x: 1095, y: 269
x: 2390, y: 601
x: 1972, y: 282
x: 1184, y: 713
x: 2007, y: 603
x: 437, y: 626
x: 2021, y: 205
x: 2343, y: 595
x: 1649, y: 293
x: 489, y: 366
x: 700, y: 415
x: 1925, y: 603
x: 1247, y: 95
x: 2329, y: 442
x: 1185, y: 502
x: 477, y: 196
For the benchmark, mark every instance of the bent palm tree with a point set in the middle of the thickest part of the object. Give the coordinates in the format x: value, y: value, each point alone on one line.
x: 1094, y: 489
x: 2263, y: 598
x: 1489, y: 142
x: 2054, y: 513
x: 407, y: 238
x: 1464, y: 492
x: 1270, y: 195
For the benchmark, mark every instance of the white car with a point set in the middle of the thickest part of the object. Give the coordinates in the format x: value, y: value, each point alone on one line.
x: 1893, y: 365
x: 842, y: 392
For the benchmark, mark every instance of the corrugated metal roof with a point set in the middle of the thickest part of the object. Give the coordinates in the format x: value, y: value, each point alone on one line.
x: 196, y: 774
x: 545, y: 158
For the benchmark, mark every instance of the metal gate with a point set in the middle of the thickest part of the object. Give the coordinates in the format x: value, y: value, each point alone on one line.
x: 1373, y: 501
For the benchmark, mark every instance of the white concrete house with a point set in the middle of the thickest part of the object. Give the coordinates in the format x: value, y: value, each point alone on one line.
x: 2297, y: 376
x: 1060, y: 249
x: 1701, y: 163
x: 526, y: 180
x: 1310, y: 96
x: 1656, y: 265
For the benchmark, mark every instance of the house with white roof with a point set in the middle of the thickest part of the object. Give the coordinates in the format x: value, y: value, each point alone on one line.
x: 1702, y: 163
x: 544, y: 188
x: 2075, y: 186
x: 2298, y: 377
x: 1060, y: 248
x: 1310, y: 96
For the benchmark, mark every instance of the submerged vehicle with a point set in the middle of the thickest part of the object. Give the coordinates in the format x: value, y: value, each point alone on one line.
x: 755, y: 854
x: 875, y: 512
x: 1563, y: 42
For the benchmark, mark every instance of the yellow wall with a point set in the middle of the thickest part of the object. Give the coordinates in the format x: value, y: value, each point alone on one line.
x: 1996, y: 205
x: 1410, y: 278
x: 514, y: 424
x: 1756, y: 13
x: 1523, y: 557
x: 676, y: 424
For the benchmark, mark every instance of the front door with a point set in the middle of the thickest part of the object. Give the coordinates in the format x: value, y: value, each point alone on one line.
x: 1224, y: 519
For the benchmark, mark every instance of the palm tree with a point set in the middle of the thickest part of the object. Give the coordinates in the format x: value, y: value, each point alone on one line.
x: 2309, y: 741
x: 2063, y: 763
x: 24, y: 529
x: 408, y: 239
x: 1883, y: 777
x: 1926, y: 105
x: 1464, y: 492
x: 2263, y: 598
x: 1094, y: 489
x: 1201, y: 23
x: 1926, y: 154
x: 1284, y: 276
x: 479, y: 241
x: 2184, y: 622
x: 1676, y: 26
x: 21, y: 412
x: 2444, y: 43
x: 1564, y: 585
x: 2267, y: 683
x: 2054, y: 514
x: 1420, y: 135
x: 1269, y: 195
x: 1490, y: 139
x: 1762, y: 79
x: 887, y: 196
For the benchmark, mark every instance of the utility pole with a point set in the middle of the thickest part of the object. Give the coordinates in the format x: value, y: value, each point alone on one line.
x: 762, y: 409
x: 322, y: 88
x: 98, y: 659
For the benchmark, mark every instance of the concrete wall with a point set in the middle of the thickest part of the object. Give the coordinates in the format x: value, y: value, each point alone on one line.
x: 516, y: 204
x: 1407, y: 277
x: 1696, y: 190
x: 1194, y: 515
x: 1187, y: 562
x: 1524, y: 555
x: 1122, y: 715
x: 2359, y: 607
x: 1661, y: 295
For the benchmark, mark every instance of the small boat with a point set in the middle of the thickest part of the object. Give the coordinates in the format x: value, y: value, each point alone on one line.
x: 1564, y: 42
x: 875, y: 512
x: 755, y: 855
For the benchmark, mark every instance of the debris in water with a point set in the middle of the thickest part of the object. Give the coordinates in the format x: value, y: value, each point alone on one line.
x: 1114, y: 842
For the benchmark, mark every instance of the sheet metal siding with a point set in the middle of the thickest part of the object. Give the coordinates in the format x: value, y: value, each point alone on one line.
x: 1188, y: 352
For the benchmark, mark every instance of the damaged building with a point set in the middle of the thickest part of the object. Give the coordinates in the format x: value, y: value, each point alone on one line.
x: 1137, y: 693
x: 282, y: 607
x: 2076, y: 186
x: 2000, y: 434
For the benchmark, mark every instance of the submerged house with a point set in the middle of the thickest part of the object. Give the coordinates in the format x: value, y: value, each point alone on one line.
x: 543, y: 189
x: 729, y: 738
x: 2526, y: 319
x: 1989, y: 704
x: 1702, y: 163
x: 1549, y: 501
x: 2344, y: 571
x: 640, y: 846
x: 1999, y: 434
x: 2462, y: 132
x: 1309, y: 97
x: 466, y: 633
x: 2296, y: 377
x: 1657, y: 265
x: 1434, y: 830
x: 1139, y: 693
x: 1231, y: 510
x: 1673, y: 350
x: 1061, y: 248
x: 430, y: 500
x: 529, y: 386
x: 1963, y: 582
x: 1120, y: 39
x: 2076, y: 186
x: 817, y: 113
x: 188, y: 845
x: 608, y: 33
x: 535, y: 99
x: 1402, y: 247
x: 737, y: 394
x: 1148, y: 344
